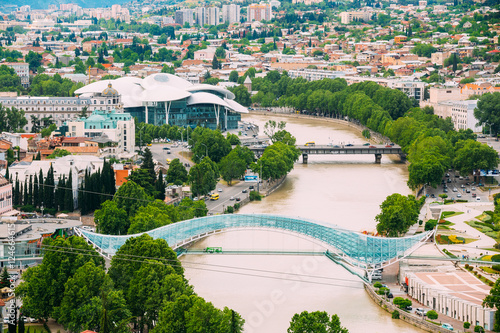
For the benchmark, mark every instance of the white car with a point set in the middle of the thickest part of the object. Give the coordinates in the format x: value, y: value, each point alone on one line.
x: 459, y: 195
x: 219, y: 190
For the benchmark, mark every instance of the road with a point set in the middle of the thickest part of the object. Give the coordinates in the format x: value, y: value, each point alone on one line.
x: 214, y: 207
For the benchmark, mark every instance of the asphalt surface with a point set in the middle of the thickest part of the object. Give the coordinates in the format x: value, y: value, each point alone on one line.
x: 227, y: 192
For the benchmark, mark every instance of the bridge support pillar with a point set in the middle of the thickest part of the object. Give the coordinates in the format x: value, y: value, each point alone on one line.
x: 402, y: 157
x: 304, y: 158
x: 378, y: 158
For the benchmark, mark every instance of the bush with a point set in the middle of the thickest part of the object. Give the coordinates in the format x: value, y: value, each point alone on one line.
x: 395, y: 314
x: 230, y: 209
x: 495, y: 258
x: 366, y: 133
x: 255, y: 196
x: 429, y: 225
x: 479, y: 329
x: 236, y: 206
x: 382, y: 290
x: 466, y: 325
x: 466, y: 266
x: 432, y: 314
x: 377, y: 284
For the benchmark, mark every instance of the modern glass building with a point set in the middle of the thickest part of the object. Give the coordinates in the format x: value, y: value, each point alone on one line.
x: 167, y: 99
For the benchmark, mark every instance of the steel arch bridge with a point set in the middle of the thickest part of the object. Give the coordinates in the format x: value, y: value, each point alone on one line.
x: 357, y: 249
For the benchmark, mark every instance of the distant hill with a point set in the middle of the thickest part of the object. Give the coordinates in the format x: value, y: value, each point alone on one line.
x: 37, y: 4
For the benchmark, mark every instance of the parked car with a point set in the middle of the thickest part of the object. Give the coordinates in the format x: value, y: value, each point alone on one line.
x: 420, y: 312
x: 250, y: 187
x: 408, y: 308
x: 372, y: 147
x: 459, y: 195
x: 390, y: 295
x: 219, y: 190
x: 238, y: 199
x: 232, y: 198
x: 166, y: 148
x: 447, y: 326
x: 244, y: 190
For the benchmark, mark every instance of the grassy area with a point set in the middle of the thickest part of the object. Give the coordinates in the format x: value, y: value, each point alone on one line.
x: 484, y: 227
x: 483, y: 217
x: 490, y: 270
x: 450, y: 214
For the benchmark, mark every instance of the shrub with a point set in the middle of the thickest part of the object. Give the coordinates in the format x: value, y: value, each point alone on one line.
x: 479, y: 329
x: 495, y: 258
x: 236, y: 206
x: 395, y: 314
x: 230, y: 209
x: 466, y: 325
x: 432, y: 314
x: 366, y: 133
x: 255, y: 196
x: 377, y: 284
x: 466, y: 266
x: 382, y: 290
x: 491, y: 283
x: 429, y: 225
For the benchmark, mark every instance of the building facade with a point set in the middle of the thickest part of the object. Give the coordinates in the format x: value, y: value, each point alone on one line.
x: 119, y: 127
x: 5, y: 195
x: 231, y: 13
x: 260, y: 12
x: 348, y: 17
x: 22, y: 70
x: 183, y: 16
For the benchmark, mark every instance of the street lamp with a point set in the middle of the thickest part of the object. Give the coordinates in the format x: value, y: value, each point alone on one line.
x: 140, y: 135
x: 206, y: 148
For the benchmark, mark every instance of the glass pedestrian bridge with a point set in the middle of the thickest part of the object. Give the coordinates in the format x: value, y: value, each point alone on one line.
x: 355, y: 248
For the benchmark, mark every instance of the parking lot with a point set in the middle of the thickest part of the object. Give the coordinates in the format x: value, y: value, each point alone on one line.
x: 457, y: 187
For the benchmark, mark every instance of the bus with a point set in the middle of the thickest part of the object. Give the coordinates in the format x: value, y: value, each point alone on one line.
x: 214, y: 196
x: 310, y: 143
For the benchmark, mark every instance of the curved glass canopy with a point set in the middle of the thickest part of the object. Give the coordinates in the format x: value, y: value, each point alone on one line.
x: 356, y: 248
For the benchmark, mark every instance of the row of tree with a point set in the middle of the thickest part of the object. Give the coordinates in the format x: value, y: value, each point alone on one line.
x: 149, y: 292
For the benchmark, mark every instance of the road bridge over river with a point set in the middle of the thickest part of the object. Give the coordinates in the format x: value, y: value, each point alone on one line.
x: 377, y: 150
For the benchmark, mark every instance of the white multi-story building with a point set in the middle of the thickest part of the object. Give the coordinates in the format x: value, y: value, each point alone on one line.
x: 348, y: 17
x: 462, y: 114
x: 22, y: 70
x: 118, y: 127
x: 212, y: 15
x: 231, y: 13
x: 62, y: 109
x: 260, y: 12
x: 200, y: 16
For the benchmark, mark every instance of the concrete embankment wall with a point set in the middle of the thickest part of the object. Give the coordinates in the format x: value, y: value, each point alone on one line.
x: 410, y: 318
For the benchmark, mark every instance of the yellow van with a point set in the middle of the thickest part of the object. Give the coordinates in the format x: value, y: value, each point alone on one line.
x: 214, y: 196
x: 169, y: 160
x: 310, y: 143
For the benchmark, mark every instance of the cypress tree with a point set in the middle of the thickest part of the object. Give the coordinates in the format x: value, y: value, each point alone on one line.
x: 30, y: 191
x: 160, y: 187
x: 49, y: 188
x: 7, y: 173
x: 36, y: 197
x: 40, y: 187
x: 25, y: 193
x: 16, y: 193
x: 59, y: 194
x: 68, y: 197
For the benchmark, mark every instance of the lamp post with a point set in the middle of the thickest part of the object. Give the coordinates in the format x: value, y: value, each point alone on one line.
x: 140, y: 136
x: 206, y: 148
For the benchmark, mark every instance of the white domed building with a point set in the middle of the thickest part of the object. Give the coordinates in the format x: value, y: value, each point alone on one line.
x: 167, y: 99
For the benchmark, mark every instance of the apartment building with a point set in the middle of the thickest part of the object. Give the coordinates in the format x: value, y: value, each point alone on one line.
x: 22, y: 70
x: 348, y: 17
x: 260, y: 12
x: 231, y: 13
x: 183, y: 16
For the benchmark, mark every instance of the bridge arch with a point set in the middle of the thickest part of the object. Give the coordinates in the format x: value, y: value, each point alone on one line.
x: 356, y: 248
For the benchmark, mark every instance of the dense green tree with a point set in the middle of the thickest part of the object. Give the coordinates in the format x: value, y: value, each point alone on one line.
x: 150, y: 217
x: 143, y: 178
x: 42, y: 288
x: 193, y: 314
x: 206, y: 141
x: 111, y: 220
x: 34, y: 60
x: 4, y: 278
x: 491, y: 301
x: 177, y: 173
x: 242, y: 95
x: 276, y: 161
x: 488, y: 111
x: 315, y: 322
x: 234, y: 165
x: 79, y: 289
x: 398, y: 213
x: 130, y: 196
x: 472, y: 155
x: 233, y: 76
x: 203, y: 176
x: 122, y: 271
x: 402, y: 302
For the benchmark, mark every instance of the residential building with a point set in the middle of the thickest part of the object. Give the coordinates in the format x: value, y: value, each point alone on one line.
x: 414, y: 89
x: 60, y: 109
x: 5, y: 195
x: 313, y: 74
x: 231, y: 13
x: 348, y: 17
x: 212, y: 15
x: 183, y: 16
x: 260, y: 12
x: 462, y: 114
x: 118, y: 127
x: 22, y: 70
x: 200, y: 14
